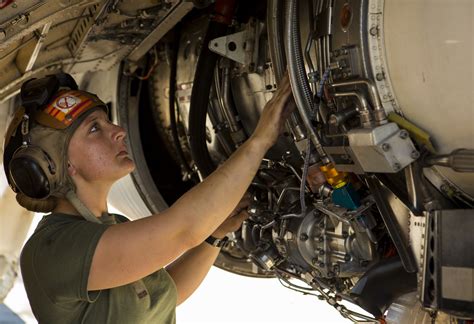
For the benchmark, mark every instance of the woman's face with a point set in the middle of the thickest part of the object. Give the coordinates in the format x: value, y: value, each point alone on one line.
x: 97, y: 150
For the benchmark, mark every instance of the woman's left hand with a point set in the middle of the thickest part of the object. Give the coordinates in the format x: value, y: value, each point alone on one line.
x: 235, y: 219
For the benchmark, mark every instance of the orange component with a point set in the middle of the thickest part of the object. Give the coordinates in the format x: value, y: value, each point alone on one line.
x: 335, y: 178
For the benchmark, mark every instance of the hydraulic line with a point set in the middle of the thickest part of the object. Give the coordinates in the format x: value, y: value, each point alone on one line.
x: 278, y: 57
x: 275, y: 37
x: 298, y: 79
x: 223, y: 11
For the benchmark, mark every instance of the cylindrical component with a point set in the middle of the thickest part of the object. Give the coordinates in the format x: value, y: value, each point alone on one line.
x: 340, y: 117
x: 335, y: 178
x: 299, y: 82
x: 461, y: 160
x: 224, y: 11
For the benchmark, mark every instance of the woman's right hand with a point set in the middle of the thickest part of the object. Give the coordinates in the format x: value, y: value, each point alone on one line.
x: 272, y: 121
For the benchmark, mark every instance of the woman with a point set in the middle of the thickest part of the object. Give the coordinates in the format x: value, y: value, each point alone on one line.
x: 105, y: 269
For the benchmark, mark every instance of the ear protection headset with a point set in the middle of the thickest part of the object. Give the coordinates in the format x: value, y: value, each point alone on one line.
x: 35, y: 155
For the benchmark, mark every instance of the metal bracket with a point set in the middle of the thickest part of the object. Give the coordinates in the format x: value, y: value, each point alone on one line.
x: 385, y: 149
x: 323, y: 23
x: 26, y: 57
x: 241, y: 47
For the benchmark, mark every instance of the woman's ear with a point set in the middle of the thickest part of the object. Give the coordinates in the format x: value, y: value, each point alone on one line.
x: 71, y: 169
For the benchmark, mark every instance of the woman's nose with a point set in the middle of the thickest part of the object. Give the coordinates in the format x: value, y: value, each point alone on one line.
x: 119, y: 133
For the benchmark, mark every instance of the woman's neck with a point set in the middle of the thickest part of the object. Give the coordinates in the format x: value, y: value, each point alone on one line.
x: 95, y: 201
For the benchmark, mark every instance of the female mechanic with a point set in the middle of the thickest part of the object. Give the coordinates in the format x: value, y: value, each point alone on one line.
x: 83, y: 265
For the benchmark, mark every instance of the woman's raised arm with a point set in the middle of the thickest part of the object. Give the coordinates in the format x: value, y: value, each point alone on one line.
x: 130, y: 251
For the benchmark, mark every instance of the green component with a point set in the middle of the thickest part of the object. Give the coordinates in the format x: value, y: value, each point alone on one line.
x: 419, y: 135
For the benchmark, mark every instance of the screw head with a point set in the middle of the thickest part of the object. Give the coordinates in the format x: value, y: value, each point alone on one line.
x: 374, y: 31
x: 403, y: 134
x: 385, y: 147
x: 303, y: 237
x: 380, y: 76
x: 397, y: 166
x: 415, y: 155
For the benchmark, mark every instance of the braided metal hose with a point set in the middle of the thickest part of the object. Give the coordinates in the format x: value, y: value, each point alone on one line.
x: 298, y: 79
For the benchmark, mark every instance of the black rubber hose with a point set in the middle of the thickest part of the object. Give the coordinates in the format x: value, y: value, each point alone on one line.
x: 172, y: 101
x: 200, y: 100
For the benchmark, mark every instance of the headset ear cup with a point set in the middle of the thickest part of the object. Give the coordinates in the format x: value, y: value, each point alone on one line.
x: 37, y: 205
x: 31, y: 172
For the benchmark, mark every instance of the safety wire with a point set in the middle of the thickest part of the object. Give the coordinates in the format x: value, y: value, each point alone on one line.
x: 322, y: 295
x: 318, y: 292
x: 308, y: 151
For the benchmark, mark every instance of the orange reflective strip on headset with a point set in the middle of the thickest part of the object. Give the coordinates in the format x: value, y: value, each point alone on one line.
x: 67, y: 106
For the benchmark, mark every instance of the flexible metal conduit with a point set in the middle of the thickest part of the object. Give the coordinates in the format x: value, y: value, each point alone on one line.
x: 299, y: 82
x: 277, y: 55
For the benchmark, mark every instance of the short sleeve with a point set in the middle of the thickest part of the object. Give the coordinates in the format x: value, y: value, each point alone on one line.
x: 62, y: 259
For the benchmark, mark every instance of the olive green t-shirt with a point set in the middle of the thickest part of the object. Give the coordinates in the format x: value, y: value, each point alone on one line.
x: 55, y: 265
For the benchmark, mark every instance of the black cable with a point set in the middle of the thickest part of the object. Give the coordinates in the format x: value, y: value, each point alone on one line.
x: 200, y: 100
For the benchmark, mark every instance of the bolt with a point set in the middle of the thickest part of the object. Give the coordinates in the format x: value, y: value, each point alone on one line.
x: 385, y: 147
x: 321, y: 264
x: 415, y: 155
x: 403, y: 134
x: 374, y: 31
x: 321, y: 252
x: 303, y: 237
x: 380, y: 76
x: 397, y: 166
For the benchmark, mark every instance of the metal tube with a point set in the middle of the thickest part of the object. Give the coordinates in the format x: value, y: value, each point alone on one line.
x: 229, y: 111
x: 379, y: 112
x: 364, y: 112
x: 275, y: 38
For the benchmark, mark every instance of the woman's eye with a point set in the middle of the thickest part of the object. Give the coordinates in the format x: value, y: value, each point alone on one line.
x: 94, y: 128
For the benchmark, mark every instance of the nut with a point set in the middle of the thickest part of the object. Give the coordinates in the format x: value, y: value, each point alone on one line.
x: 303, y: 237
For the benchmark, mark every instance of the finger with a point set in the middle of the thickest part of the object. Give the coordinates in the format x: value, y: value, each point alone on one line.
x: 237, y: 220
